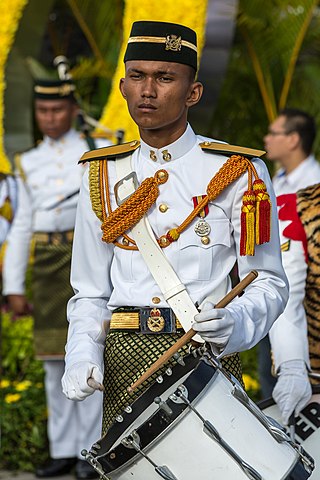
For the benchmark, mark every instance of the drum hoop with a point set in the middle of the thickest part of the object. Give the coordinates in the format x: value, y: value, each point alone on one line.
x: 156, y: 425
x: 269, y: 402
x: 146, y: 398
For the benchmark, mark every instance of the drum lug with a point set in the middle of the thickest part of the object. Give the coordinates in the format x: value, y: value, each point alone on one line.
x: 306, y: 459
x: 133, y: 441
x: 95, y: 464
x: 175, y: 397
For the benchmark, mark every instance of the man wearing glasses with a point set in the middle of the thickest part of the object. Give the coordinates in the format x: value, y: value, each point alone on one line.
x: 289, y: 143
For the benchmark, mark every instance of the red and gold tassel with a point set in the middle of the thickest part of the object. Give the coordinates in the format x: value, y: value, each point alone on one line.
x: 263, y: 212
x: 247, y: 238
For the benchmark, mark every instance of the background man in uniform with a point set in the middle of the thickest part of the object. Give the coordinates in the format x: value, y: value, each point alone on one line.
x: 289, y: 142
x: 48, y: 185
x: 114, y: 291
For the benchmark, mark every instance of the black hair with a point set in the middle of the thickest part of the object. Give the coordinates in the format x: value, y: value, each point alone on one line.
x: 302, y: 123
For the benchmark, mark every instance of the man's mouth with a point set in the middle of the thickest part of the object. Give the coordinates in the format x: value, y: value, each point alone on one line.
x: 146, y: 106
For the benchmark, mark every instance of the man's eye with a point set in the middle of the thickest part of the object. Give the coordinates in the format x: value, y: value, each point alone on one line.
x: 165, y: 79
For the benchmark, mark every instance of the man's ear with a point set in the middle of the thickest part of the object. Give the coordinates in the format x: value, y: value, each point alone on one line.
x: 121, y: 88
x: 195, y: 94
x: 294, y: 140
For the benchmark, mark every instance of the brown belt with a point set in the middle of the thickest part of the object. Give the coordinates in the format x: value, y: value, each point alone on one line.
x: 145, y: 320
x: 53, y: 238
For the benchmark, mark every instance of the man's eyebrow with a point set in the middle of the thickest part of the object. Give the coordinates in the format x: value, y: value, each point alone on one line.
x: 157, y: 72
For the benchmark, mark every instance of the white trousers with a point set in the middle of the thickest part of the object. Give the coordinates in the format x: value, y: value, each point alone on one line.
x: 72, y: 426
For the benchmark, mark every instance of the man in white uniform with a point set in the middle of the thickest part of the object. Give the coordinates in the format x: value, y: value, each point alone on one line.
x: 49, y: 179
x: 289, y: 142
x: 113, y: 286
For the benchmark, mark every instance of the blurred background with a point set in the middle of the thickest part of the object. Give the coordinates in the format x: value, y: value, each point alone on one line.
x: 256, y: 58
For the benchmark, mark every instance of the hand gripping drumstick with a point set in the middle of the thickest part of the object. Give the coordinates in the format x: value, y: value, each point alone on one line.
x: 190, y: 333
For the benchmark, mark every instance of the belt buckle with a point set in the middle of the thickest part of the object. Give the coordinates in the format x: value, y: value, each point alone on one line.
x: 56, y: 238
x: 157, y: 320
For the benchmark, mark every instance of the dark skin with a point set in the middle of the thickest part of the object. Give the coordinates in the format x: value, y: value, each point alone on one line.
x: 54, y: 119
x: 159, y: 95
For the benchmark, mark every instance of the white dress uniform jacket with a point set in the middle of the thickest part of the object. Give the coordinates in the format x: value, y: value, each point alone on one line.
x: 288, y: 336
x: 52, y: 174
x: 105, y: 277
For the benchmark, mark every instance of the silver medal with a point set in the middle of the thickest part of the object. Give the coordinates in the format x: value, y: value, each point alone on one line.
x: 202, y: 228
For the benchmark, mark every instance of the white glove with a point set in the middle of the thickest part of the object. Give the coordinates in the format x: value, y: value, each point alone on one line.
x: 214, y: 325
x: 293, y: 390
x: 75, y: 380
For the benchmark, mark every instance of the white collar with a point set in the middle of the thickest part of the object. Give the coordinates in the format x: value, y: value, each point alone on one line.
x: 68, y: 136
x: 170, y: 152
x: 293, y: 177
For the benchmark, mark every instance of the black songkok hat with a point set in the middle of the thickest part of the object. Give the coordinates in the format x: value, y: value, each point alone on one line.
x: 54, y: 89
x: 168, y: 42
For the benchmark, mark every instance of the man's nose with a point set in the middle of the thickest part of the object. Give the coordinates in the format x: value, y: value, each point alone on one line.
x: 149, y: 88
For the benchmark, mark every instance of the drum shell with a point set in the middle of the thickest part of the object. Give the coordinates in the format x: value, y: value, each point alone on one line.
x: 190, y: 453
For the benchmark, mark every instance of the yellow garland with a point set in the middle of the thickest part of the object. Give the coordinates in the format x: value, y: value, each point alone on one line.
x: 10, y: 16
x: 187, y: 12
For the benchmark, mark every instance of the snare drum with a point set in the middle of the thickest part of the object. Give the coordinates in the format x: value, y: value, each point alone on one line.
x: 197, y: 425
x: 307, y: 426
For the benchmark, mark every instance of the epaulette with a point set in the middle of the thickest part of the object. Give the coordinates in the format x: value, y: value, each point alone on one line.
x: 110, y: 152
x: 226, y: 149
x: 98, y: 135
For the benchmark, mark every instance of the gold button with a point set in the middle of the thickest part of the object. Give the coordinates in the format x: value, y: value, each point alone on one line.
x: 153, y: 155
x: 166, y: 156
x: 164, y: 242
x: 162, y: 176
x: 125, y: 241
x: 207, y: 144
x: 163, y: 207
x: 205, y: 240
x: 155, y: 300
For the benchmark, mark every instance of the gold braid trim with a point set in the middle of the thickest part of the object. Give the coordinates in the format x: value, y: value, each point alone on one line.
x: 131, y: 211
x: 94, y: 184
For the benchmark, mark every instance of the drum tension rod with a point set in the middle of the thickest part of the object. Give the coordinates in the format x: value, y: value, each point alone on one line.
x: 213, y: 433
x: 133, y: 441
x: 94, y: 463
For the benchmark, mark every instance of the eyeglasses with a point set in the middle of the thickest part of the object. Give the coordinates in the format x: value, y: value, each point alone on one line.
x: 274, y: 133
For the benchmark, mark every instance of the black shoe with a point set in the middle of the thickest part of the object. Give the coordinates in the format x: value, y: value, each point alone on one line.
x: 55, y: 467
x: 84, y: 471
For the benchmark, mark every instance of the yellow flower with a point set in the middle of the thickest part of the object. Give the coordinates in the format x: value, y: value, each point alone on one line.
x: 21, y: 386
x: 10, y: 17
x: 12, y: 397
x: 250, y: 383
x: 4, y: 383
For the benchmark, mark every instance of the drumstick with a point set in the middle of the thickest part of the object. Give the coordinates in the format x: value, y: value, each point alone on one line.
x: 190, y: 333
x: 94, y: 384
